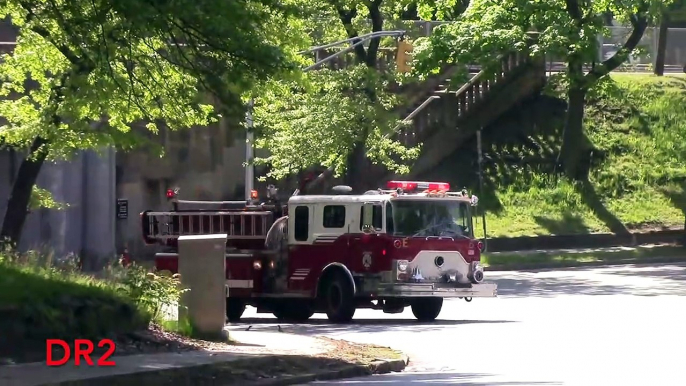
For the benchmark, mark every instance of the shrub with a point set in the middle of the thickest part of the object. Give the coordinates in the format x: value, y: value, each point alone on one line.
x: 150, y: 290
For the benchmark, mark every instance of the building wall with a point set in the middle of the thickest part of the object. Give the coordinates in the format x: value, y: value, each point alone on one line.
x: 86, y: 227
x: 205, y: 163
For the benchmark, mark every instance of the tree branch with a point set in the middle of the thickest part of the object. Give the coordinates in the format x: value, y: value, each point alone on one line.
x: 347, y: 20
x: 574, y: 10
x: 640, y: 22
x: 377, y: 25
x: 83, y: 64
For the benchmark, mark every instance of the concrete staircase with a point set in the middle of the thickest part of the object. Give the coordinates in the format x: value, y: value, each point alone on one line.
x: 442, y: 119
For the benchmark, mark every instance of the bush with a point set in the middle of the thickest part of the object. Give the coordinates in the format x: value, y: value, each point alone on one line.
x: 150, y: 290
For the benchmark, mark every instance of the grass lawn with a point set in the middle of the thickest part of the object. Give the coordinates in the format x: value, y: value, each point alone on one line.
x: 42, y: 298
x: 637, y: 126
x: 565, y: 258
x: 40, y: 302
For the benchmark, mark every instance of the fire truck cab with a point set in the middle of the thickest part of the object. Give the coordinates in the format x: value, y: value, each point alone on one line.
x: 411, y: 244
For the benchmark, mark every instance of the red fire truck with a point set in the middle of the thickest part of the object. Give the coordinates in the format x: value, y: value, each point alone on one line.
x: 411, y: 244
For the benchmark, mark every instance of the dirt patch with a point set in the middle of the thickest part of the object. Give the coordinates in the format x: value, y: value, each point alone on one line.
x: 359, y: 353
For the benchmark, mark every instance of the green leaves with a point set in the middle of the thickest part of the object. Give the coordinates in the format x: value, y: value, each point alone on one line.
x: 318, y: 120
x: 319, y: 117
x: 98, y: 69
x: 564, y: 29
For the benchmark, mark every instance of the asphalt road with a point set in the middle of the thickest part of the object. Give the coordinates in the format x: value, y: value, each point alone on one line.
x: 595, y: 326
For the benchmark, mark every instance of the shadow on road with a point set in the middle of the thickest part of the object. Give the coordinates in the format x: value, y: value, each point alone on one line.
x: 324, y: 327
x: 639, y: 280
x: 443, y: 378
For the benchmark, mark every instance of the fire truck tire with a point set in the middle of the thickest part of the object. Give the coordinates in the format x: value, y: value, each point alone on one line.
x: 234, y: 309
x: 427, y: 309
x: 339, y: 299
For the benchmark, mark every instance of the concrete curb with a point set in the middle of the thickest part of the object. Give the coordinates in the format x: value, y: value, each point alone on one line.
x: 378, y: 367
x: 183, y: 375
x: 572, y: 264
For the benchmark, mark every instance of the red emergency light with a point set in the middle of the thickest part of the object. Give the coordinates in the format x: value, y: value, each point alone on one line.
x: 171, y: 193
x: 409, y: 186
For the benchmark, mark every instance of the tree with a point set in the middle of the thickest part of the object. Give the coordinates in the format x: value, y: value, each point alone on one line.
x: 342, y: 119
x: 659, y: 69
x: 83, y: 73
x: 671, y: 13
x: 565, y: 29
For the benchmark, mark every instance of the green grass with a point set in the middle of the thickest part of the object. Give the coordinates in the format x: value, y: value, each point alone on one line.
x: 506, y: 260
x: 636, y: 123
x: 40, y: 302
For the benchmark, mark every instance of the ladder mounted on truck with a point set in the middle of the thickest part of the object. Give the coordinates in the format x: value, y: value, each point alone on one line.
x: 239, y: 220
x: 235, y: 224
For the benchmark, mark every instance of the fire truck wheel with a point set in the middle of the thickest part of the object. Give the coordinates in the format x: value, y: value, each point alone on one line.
x: 339, y: 299
x: 234, y: 309
x: 427, y: 309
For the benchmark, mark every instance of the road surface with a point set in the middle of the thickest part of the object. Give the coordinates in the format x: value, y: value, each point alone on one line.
x: 593, y: 326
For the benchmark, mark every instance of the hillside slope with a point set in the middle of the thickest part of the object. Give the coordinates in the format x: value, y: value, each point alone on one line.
x: 637, y: 127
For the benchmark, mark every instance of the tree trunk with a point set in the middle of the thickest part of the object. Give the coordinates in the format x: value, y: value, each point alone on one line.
x: 573, y: 141
x: 662, y: 45
x: 355, y: 164
x: 18, y: 203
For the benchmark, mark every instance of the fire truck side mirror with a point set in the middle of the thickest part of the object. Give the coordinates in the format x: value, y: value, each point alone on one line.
x: 367, y: 217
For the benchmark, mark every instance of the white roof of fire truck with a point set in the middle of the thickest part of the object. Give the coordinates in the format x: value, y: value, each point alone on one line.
x: 394, y: 189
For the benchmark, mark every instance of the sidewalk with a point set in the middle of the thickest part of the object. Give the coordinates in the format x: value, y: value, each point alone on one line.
x: 252, y: 345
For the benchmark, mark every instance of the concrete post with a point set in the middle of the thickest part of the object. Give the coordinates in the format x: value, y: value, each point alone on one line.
x: 202, y: 267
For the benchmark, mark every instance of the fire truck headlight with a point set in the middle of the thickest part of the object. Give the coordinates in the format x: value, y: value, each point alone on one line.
x: 402, y: 265
x: 257, y: 265
x: 476, y: 274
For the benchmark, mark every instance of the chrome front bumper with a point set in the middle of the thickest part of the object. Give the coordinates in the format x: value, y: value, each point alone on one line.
x: 444, y: 290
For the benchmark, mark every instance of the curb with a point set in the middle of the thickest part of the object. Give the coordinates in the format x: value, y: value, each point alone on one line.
x: 537, y: 266
x: 378, y: 367
x: 183, y: 375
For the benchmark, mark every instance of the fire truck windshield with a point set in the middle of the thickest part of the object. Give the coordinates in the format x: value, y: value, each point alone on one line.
x: 415, y: 218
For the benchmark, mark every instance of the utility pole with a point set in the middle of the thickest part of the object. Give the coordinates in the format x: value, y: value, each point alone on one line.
x: 249, y: 151
x: 249, y: 145
x: 481, y: 184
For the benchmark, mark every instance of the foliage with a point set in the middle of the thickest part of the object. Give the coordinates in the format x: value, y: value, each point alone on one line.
x: 42, y: 198
x: 97, y: 73
x: 152, y: 291
x: 321, y: 124
x: 320, y: 117
x: 99, y: 67
x: 566, y: 30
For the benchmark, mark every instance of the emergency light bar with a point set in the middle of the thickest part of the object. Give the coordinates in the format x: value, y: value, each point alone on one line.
x: 417, y: 185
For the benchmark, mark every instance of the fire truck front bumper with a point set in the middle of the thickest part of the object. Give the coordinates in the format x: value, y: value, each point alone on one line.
x: 444, y: 290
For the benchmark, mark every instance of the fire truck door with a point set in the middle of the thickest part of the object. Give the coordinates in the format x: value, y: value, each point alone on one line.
x: 362, y: 249
x: 301, y: 240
